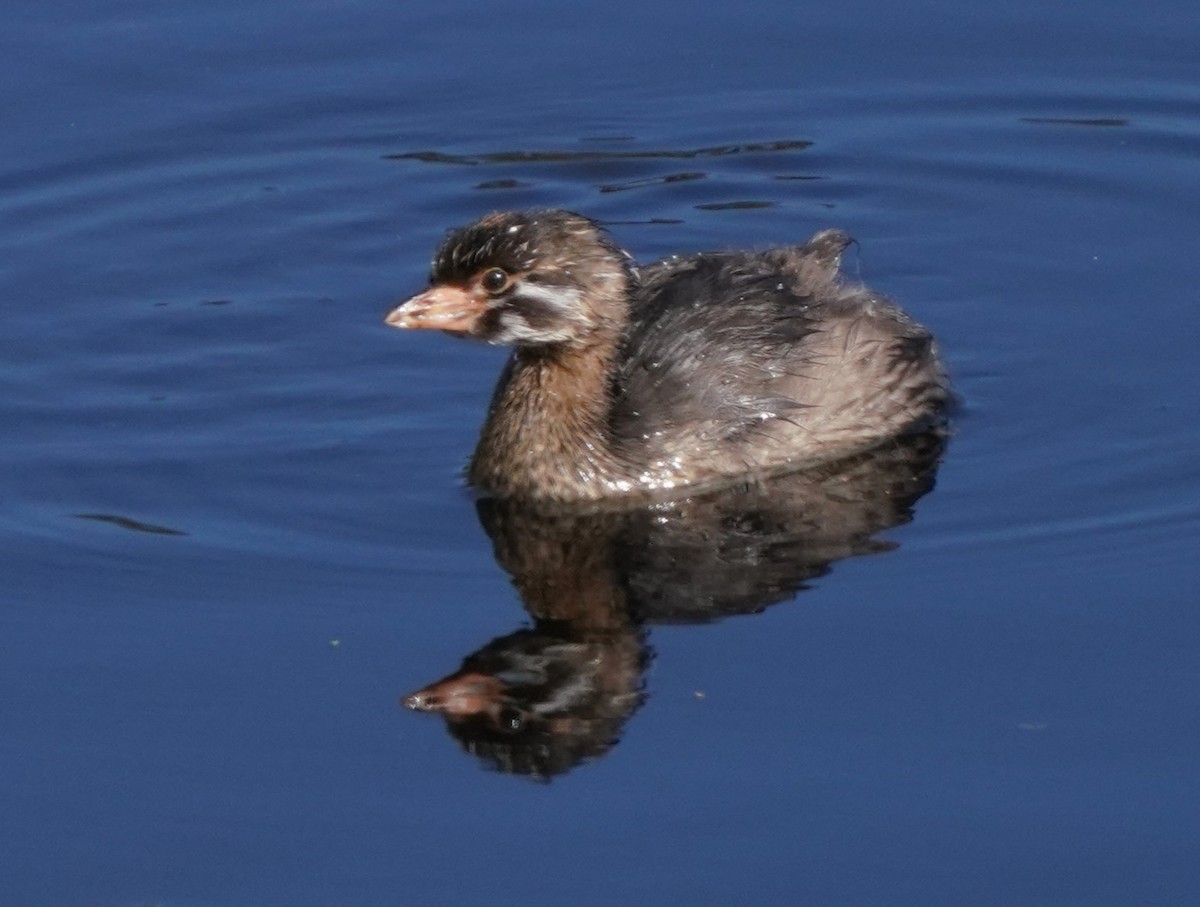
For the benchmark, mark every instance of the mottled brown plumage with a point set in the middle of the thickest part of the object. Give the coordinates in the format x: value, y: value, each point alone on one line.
x: 692, y: 370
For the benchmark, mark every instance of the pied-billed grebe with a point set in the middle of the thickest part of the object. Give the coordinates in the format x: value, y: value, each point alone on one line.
x: 630, y: 380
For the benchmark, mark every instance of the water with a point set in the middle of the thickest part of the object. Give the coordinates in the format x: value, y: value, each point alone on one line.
x: 234, y: 532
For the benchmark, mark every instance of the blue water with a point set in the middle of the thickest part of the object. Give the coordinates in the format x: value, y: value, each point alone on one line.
x: 233, y: 531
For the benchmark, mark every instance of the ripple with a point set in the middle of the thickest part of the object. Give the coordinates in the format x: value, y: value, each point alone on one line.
x: 501, y: 184
x: 1076, y: 121
x: 552, y: 157
x: 653, y: 181
x: 132, y: 525
x: 735, y: 206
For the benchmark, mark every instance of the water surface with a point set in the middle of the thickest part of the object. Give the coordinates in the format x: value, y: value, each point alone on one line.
x: 234, y: 532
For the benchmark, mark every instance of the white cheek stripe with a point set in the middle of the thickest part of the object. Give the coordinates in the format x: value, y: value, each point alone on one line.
x: 561, y: 298
x: 516, y: 332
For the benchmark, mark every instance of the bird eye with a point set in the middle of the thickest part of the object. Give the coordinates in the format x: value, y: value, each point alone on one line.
x: 510, y: 719
x: 495, y: 280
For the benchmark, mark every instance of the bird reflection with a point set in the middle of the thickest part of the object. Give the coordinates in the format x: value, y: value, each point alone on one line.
x: 542, y: 700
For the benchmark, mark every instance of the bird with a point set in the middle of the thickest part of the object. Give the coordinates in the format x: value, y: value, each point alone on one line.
x: 635, y: 382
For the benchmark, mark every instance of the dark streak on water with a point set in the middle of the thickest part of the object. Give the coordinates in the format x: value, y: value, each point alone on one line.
x: 130, y: 524
x: 734, y: 206
x: 1076, y: 121
x: 554, y: 157
x: 502, y: 184
x: 653, y: 221
x: 653, y: 181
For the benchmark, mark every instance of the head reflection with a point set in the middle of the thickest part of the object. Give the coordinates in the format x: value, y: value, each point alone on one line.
x: 540, y: 701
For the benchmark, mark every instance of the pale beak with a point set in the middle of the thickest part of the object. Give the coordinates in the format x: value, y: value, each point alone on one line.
x: 441, y: 308
x: 458, y: 694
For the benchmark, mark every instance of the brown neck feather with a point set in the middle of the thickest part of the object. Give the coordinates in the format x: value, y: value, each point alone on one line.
x: 547, y: 432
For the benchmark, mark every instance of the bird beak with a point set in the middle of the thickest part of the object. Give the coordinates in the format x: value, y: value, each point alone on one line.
x: 457, y: 695
x: 440, y: 308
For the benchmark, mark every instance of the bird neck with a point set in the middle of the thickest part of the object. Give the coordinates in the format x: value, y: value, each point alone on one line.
x: 547, y: 432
